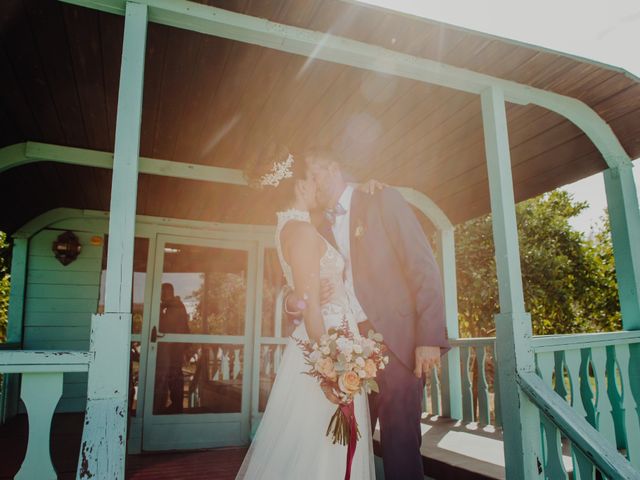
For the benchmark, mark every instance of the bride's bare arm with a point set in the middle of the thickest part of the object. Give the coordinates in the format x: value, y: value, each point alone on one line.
x: 303, y: 249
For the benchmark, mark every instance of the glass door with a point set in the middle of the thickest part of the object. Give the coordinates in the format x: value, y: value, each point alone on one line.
x: 197, y: 392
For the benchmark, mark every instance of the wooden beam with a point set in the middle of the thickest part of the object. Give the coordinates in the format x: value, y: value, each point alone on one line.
x: 103, y: 447
x: 324, y: 46
x: 124, y: 185
x: 42, y: 361
x: 513, y: 325
x: 28, y: 152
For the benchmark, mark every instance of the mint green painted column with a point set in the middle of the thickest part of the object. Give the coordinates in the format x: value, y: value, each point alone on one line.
x: 513, y: 324
x: 11, y: 382
x: 103, y: 448
x: 451, y: 382
x: 624, y: 214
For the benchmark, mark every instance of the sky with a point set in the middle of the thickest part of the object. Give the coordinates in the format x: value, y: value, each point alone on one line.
x: 607, y: 31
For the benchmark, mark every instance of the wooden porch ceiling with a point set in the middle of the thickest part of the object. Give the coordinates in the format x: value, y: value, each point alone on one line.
x: 212, y: 101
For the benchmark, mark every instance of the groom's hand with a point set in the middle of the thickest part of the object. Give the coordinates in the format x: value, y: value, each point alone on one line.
x: 292, y: 301
x: 426, y: 359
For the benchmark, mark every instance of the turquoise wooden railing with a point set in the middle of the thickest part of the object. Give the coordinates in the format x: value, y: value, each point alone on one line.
x: 480, y: 401
x: 5, y: 381
x: 41, y: 388
x: 596, y: 375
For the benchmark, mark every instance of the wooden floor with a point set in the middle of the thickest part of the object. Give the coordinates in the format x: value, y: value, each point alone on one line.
x: 450, y: 450
x: 219, y: 464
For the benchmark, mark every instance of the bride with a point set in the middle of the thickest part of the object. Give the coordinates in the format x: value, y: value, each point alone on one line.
x: 290, y: 442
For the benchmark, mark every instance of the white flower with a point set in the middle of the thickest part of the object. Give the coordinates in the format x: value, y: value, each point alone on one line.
x: 325, y: 350
x: 357, y: 348
x: 362, y: 373
x: 344, y: 345
x: 360, y: 361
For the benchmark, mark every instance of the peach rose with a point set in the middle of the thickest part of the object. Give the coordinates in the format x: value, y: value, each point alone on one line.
x: 349, y: 382
x: 370, y: 368
x: 326, y: 368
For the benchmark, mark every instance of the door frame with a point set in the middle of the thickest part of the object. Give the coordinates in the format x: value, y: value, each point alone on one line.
x: 233, y: 428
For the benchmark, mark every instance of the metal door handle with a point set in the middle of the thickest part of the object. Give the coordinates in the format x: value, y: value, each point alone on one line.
x: 155, y: 335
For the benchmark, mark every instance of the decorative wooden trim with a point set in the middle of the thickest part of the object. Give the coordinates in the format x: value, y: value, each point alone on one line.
x: 604, y: 455
x: 40, y: 394
x: 325, y: 46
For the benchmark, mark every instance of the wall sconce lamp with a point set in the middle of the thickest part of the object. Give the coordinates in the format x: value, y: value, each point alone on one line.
x: 66, y: 247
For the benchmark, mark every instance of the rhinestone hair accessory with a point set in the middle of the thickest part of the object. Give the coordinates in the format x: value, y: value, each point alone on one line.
x: 280, y: 171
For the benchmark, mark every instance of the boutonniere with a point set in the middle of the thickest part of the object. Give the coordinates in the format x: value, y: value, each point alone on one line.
x: 359, y: 229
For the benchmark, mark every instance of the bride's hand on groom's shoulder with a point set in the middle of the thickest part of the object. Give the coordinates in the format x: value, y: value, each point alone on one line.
x: 371, y: 186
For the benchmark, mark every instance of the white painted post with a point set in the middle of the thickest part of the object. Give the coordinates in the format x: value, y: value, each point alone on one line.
x: 103, y: 448
x: 624, y: 214
x: 451, y: 382
x: 513, y: 324
x: 40, y: 394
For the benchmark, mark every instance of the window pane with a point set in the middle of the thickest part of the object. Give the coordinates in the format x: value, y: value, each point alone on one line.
x: 270, y: 357
x: 198, y: 378
x: 211, y: 283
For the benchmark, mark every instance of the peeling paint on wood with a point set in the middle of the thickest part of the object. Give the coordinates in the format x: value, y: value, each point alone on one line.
x: 103, y: 449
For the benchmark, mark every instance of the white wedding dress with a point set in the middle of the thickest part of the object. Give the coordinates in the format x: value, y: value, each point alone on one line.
x: 290, y: 443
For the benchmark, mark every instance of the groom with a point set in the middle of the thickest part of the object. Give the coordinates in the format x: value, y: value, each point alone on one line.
x: 394, y: 283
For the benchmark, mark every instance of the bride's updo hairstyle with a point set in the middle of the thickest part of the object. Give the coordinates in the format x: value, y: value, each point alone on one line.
x: 274, y: 171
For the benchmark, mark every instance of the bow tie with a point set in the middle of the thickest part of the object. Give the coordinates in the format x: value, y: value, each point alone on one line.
x: 331, y: 213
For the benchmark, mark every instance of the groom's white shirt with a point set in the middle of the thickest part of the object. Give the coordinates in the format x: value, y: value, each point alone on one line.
x: 341, y: 232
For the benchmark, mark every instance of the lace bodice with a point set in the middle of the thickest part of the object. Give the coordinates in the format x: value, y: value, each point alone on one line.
x: 331, y: 267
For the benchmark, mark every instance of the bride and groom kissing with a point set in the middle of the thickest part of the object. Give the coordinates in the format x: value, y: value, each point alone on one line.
x: 369, y: 246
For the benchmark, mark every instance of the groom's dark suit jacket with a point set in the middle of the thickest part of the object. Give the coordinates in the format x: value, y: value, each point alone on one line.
x: 396, y: 277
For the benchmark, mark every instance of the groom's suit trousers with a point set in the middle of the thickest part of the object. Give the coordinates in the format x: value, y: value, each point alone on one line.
x: 398, y: 407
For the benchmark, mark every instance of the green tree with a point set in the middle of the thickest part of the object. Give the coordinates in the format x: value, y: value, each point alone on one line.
x: 568, y: 279
x: 4, y: 285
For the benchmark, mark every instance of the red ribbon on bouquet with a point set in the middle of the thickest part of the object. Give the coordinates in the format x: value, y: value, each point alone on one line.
x: 349, y: 413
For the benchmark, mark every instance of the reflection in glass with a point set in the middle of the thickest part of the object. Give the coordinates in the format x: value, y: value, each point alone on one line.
x: 134, y: 377
x: 207, y: 379
x: 212, y: 285
x: 270, y: 358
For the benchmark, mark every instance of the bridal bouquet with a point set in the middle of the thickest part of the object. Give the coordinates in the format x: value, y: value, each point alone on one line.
x: 348, y: 365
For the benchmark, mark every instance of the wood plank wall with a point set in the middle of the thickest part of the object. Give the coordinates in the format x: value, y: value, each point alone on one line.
x: 59, y: 304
